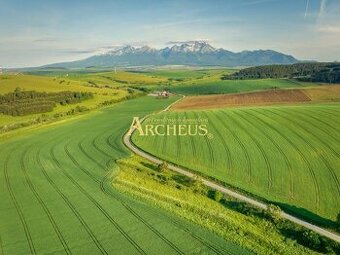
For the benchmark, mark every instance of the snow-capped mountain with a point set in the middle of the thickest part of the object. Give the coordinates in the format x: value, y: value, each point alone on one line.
x: 188, y: 53
x: 193, y: 46
x: 128, y: 50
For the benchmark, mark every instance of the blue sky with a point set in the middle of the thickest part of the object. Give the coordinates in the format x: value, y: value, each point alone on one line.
x: 36, y: 32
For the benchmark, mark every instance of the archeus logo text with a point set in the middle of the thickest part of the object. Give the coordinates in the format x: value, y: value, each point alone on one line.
x: 165, y: 127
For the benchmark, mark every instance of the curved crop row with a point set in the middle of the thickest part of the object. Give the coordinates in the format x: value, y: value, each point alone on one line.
x: 303, y: 157
x: 278, y: 147
x: 291, y: 154
x: 326, y: 163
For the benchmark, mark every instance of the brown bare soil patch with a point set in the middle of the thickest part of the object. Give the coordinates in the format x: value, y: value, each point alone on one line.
x: 329, y: 93
x: 244, y: 99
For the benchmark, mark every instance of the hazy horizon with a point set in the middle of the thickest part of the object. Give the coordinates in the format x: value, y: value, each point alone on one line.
x: 38, y: 32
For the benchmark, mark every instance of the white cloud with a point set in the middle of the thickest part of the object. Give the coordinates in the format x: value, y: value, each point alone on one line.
x: 322, y: 10
x: 335, y: 30
x: 190, y: 41
x: 306, y: 11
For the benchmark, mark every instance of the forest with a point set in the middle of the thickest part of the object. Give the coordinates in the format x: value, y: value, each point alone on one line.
x: 311, y: 72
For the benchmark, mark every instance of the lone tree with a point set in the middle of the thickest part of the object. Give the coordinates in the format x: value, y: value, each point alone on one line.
x: 274, y: 212
x: 218, y: 196
x: 197, y: 185
x: 162, y: 167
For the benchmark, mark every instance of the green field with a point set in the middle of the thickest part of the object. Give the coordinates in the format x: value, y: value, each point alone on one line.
x: 286, y: 154
x: 117, y: 78
x: 58, y: 174
x: 188, y: 74
x: 57, y: 197
x: 212, y: 86
x: 101, y: 77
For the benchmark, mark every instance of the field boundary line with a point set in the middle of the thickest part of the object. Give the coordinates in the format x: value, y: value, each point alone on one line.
x: 130, y: 145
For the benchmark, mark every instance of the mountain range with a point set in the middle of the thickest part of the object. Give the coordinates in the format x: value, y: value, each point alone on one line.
x: 197, y: 53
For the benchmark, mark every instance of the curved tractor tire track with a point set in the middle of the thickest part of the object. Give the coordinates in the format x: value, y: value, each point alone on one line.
x: 326, y: 163
x: 88, y: 173
x: 240, y: 143
x: 303, y: 117
x: 17, y: 206
x: 97, y: 205
x: 210, y: 148
x: 125, y: 205
x: 129, y: 209
x: 228, y: 191
x: 179, y: 149
x: 316, y: 112
x: 57, y: 164
x: 80, y: 146
x: 287, y: 162
x: 192, y: 143
x: 101, y: 182
x: 224, y: 143
x: 140, y: 218
x: 42, y: 204
x: 262, y: 152
x: 211, y: 247
x: 302, y: 156
x: 69, y: 204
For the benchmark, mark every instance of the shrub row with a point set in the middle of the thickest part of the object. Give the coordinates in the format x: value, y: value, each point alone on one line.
x: 20, y: 103
x: 43, y: 118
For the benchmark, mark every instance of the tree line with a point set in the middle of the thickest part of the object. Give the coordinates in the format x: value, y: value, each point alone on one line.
x: 19, y: 103
x: 312, y: 72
